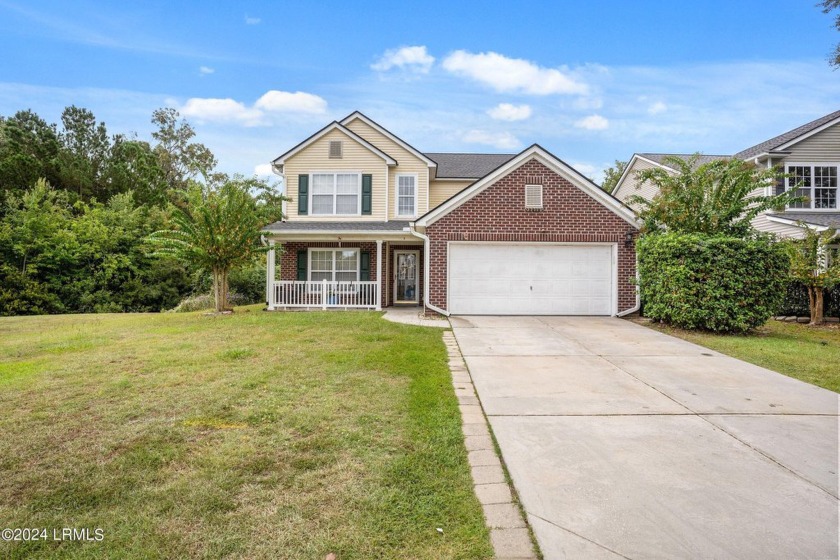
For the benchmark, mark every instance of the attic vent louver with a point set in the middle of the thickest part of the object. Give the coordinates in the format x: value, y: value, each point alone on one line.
x: 335, y: 149
x: 533, y: 197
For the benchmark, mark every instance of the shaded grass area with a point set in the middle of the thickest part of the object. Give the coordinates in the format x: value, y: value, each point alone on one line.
x: 256, y: 435
x: 811, y: 354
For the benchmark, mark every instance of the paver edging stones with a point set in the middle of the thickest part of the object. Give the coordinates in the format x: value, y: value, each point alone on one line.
x: 509, y: 533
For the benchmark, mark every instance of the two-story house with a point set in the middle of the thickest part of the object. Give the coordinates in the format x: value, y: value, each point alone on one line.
x: 809, y: 155
x: 374, y: 222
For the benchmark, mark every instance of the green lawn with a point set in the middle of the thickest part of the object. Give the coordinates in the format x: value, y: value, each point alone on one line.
x: 811, y: 354
x: 256, y: 435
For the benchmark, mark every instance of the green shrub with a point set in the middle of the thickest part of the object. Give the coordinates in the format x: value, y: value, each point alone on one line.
x: 715, y: 283
x: 203, y: 302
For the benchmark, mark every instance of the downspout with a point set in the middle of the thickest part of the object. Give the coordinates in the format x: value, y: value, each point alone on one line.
x: 427, y: 268
x: 282, y: 176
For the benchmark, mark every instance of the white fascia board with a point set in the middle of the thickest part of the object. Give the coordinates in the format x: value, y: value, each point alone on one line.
x: 388, y: 134
x: 550, y: 161
x: 795, y: 223
x: 327, y: 129
x: 656, y: 163
x: 807, y: 135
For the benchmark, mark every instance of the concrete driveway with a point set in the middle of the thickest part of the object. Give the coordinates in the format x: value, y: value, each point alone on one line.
x: 623, y: 442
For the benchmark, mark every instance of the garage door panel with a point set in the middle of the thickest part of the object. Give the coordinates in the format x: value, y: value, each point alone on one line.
x: 511, y: 279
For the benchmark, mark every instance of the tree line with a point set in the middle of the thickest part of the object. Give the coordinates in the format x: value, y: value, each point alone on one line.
x: 78, y: 207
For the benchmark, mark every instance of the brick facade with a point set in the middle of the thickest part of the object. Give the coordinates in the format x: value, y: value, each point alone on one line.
x: 569, y: 215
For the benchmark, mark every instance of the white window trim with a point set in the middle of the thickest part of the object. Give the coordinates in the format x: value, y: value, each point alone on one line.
x: 397, y: 194
x: 812, y: 165
x: 314, y: 284
x: 531, y: 206
x: 334, y: 173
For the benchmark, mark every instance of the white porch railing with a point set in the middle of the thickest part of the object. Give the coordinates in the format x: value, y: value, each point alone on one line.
x: 325, y: 294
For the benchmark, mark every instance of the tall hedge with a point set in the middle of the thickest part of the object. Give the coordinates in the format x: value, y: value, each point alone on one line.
x: 715, y: 283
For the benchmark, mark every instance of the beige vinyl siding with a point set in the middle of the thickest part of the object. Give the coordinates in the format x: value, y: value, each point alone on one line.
x: 629, y: 186
x: 762, y: 223
x: 823, y: 146
x: 439, y: 191
x: 355, y: 158
x: 407, y: 163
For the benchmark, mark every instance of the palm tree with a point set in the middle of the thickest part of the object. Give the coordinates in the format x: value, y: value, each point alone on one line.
x: 217, y: 229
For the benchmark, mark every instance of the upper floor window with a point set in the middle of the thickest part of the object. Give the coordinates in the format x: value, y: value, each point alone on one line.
x: 818, y: 183
x: 406, y: 195
x: 336, y: 193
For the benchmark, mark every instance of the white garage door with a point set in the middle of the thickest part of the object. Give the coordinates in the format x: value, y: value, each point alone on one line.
x: 519, y: 279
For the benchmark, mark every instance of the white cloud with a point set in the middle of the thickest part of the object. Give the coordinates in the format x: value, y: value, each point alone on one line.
x: 287, y: 102
x: 263, y: 170
x: 204, y: 70
x: 593, y: 122
x: 512, y: 74
x: 656, y: 108
x: 509, y: 112
x: 500, y: 140
x: 224, y: 110
x: 272, y: 102
x: 414, y: 59
x: 252, y: 20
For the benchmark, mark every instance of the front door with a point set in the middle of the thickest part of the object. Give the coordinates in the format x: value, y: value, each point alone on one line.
x: 405, y: 277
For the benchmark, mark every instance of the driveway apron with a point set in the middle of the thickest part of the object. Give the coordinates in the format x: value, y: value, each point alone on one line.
x: 624, y: 442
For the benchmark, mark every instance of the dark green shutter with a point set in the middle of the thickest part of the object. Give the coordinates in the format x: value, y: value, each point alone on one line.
x: 367, y: 194
x: 303, y: 194
x: 301, y: 264
x: 364, y: 266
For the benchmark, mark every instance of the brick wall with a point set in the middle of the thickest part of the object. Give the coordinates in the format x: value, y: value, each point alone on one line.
x: 498, y: 214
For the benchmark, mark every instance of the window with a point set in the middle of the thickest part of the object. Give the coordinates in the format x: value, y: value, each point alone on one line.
x: 334, y: 265
x: 406, y: 195
x: 335, y: 193
x: 816, y: 182
x: 533, y: 196
x: 335, y: 149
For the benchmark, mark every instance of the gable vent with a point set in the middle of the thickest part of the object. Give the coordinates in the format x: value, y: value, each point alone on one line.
x: 533, y: 197
x: 335, y: 149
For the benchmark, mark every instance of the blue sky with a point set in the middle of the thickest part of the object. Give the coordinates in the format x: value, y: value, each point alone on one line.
x: 590, y: 81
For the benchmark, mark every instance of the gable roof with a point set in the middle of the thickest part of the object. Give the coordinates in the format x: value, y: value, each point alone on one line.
x: 280, y: 160
x: 790, y: 137
x: 660, y: 160
x: 385, y: 132
x: 467, y: 166
x: 548, y: 159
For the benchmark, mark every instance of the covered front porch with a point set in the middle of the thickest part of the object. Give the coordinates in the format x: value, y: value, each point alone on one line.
x: 343, y: 266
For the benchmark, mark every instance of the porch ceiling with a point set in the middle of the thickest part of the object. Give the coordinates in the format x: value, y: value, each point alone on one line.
x: 342, y: 231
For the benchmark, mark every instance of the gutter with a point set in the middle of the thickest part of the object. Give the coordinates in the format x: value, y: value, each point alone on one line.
x: 427, y: 269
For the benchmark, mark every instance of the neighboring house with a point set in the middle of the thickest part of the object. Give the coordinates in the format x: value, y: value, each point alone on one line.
x: 374, y: 222
x: 810, y: 154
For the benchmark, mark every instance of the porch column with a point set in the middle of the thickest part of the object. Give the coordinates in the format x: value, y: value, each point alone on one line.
x: 269, y: 276
x: 379, y: 275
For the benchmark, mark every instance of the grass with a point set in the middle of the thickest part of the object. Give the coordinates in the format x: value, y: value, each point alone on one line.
x: 256, y: 435
x: 811, y: 354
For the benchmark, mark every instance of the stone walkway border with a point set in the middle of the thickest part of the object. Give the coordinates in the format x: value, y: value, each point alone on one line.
x: 508, y: 532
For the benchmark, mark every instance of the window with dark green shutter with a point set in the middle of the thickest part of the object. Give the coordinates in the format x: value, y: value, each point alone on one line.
x: 364, y: 266
x: 367, y: 194
x: 303, y: 194
x: 301, y: 264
